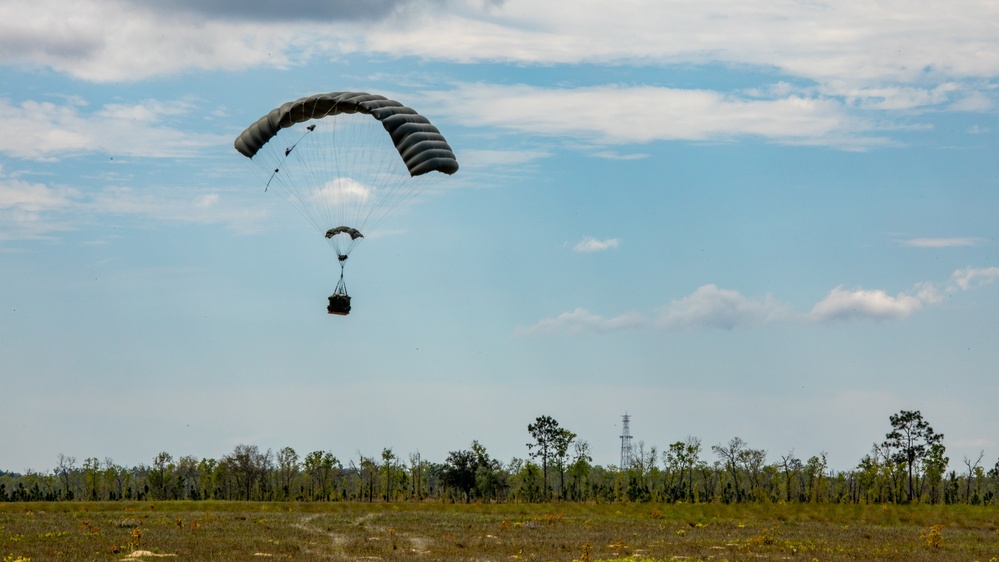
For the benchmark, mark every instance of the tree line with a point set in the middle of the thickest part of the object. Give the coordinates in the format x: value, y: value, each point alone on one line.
x: 909, y: 466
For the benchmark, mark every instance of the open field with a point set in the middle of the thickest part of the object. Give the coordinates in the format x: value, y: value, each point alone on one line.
x: 224, y: 531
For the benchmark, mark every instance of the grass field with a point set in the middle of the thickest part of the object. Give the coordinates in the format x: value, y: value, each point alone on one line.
x: 234, y: 531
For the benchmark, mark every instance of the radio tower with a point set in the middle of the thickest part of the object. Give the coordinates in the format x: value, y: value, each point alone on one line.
x: 626, y: 458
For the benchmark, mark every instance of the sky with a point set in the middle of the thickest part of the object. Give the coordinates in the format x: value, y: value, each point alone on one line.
x: 767, y: 220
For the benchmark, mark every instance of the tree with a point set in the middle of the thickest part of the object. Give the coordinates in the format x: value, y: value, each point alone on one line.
x: 161, y: 477
x: 416, y: 470
x: 936, y: 467
x: 792, y: 467
x: 287, y: 464
x: 207, y: 477
x: 550, y: 440
x: 187, y: 474
x: 910, y: 439
x: 563, y: 439
x: 580, y: 468
x: 115, y: 478
x: 320, y: 466
x: 731, y: 456
x: 690, y: 457
x: 752, y: 461
x: 972, y: 472
x: 387, y: 458
x: 368, y: 470
x: 459, y: 472
x: 65, y: 469
x: 92, y: 476
x: 473, y: 473
x: 490, y: 479
x: 249, y: 466
x: 814, y: 471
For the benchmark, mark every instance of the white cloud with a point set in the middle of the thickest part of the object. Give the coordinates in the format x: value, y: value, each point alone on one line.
x: 860, y: 57
x: 640, y: 114
x: 30, y: 196
x: 107, y: 40
x: 970, y: 277
x: 298, y: 10
x: 712, y: 308
x: 150, y: 111
x: 583, y: 321
x: 25, y: 206
x: 928, y: 293
x: 499, y: 158
x: 209, y: 200
x: 341, y: 190
x: 173, y: 205
x: 977, y: 102
x: 707, y: 308
x: 31, y: 210
x: 941, y: 242
x: 48, y: 131
x: 851, y: 41
x: 841, y: 304
x: 613, y: 155
x: 590, y: 245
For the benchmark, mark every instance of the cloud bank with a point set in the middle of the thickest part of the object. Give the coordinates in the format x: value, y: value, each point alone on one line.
x: 49, y: 131
x: 836, y: 68
x: 712, y: 308
x: 640, y: 114
x: 845, y: 46
x: 34, y: 210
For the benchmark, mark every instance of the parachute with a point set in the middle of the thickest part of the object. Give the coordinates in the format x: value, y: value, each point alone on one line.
x: 329, y: 154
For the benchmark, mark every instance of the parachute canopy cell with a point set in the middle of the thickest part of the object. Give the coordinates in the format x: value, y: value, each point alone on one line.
x: 420, y: 144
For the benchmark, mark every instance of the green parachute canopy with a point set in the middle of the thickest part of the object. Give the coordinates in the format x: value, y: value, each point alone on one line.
x: 420, y: 144
x: 346, y: 160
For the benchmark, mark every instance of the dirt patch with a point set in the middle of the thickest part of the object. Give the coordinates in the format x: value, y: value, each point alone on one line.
x: 140, y: 554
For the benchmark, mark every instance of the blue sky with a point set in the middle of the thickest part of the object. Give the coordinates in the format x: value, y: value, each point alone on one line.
x: 775, y: 221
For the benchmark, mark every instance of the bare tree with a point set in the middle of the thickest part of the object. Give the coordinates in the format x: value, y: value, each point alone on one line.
x: 792, y: 466
x: 64, y: 470
x: 971, y: 472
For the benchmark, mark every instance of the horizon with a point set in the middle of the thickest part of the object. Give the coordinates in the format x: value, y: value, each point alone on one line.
x: 775, y: 222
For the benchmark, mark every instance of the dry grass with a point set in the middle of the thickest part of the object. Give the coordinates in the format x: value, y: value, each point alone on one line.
x: 222, y: 531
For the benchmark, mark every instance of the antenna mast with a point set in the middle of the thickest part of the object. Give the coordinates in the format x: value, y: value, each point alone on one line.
x: 627, y: 459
